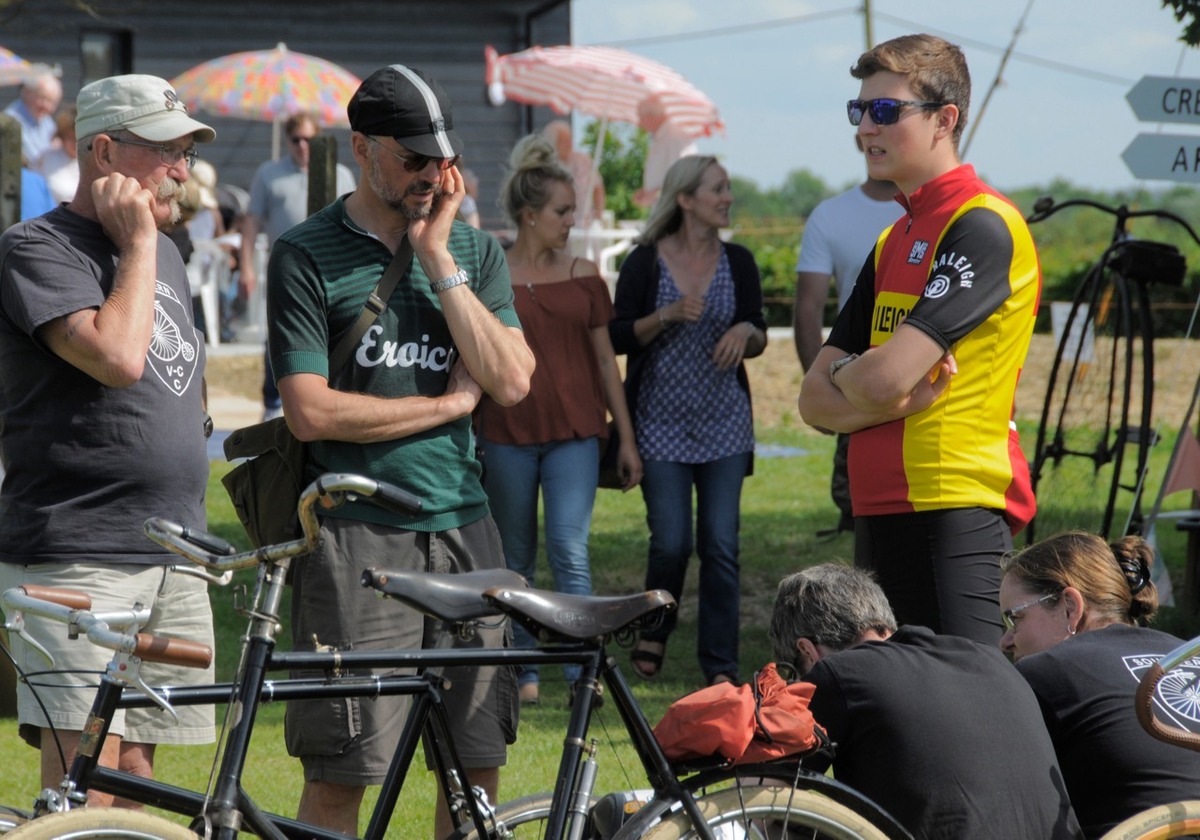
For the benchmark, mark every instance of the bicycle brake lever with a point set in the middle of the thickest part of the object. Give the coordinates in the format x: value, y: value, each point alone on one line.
x: 136, y: 679
x: 17, y: 624
x: 196, y: 571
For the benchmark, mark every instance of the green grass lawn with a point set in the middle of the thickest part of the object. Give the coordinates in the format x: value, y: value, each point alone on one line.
x: 784, y: 504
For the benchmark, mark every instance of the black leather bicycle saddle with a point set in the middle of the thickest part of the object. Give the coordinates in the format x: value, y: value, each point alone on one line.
x: 578, y: 617
x: 450, y: 597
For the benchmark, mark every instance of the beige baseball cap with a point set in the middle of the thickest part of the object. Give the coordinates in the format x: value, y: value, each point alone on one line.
x: 146, y: 105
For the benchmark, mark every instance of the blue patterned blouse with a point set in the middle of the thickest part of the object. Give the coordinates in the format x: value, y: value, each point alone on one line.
x: 688, y: 410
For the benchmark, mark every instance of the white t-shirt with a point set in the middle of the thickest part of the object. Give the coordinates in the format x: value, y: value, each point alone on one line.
x: 840, y: 233
x: 61, y: 172
x: 667, y: 145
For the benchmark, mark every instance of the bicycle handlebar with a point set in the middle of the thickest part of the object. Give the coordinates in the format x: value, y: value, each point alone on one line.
x: 330, y: 490
x: 71, y: 598
x: 1045, y: 207
x: 105, y: 629
x: 1148, y: 686
x: 151, y: 648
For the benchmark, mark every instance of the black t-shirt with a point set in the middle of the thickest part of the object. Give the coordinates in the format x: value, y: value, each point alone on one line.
x: 1112, y: 766
x: 944, y: 734
x: 87, y: 464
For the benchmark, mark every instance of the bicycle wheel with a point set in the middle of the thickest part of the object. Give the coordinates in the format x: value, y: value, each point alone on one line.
x: 1177, y: 819
x: 1097, y: 406
x: 769, y: 812
x: 102, y: 823
x: 521, y: 818
x: 13, y: 818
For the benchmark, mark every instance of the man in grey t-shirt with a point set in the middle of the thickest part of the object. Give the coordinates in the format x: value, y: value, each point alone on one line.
x: 102, y: 417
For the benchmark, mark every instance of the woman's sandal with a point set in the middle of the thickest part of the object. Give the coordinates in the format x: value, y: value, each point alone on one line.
x: 653, y: 658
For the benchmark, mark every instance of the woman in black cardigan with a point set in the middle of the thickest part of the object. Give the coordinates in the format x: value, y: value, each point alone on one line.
x: 688, y: 310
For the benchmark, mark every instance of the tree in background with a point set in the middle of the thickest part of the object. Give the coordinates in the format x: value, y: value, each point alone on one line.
x: 1183, y: 10
x: 621, y: 162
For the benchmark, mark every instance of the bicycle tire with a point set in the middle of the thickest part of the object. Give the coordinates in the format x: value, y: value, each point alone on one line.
x: 520, y: 819
x: 1175, y: 819
x: 13, y: 818
x: 105, y: 823
x: 762, y: 811
x: 1080, y: 472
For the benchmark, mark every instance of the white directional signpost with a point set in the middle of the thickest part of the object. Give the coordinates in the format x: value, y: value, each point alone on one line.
x: 1165, y: 157
x: 1169, y: 157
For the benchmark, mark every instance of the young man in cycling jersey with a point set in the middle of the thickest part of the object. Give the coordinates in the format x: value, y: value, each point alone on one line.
x: 921, y: 366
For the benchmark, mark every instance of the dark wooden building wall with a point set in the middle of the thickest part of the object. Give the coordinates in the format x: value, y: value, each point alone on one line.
x: 445, y: 38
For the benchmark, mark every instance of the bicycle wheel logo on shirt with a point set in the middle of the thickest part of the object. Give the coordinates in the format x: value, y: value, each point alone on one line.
x: 174, y: 354
x: 1178, y: 695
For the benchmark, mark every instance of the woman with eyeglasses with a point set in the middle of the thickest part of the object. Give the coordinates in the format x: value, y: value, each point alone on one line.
x: 688, y: 312
x: 551, y: 439
x: 1075, y: 612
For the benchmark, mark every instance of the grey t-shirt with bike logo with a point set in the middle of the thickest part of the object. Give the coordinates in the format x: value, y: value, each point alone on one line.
x: 85, y: 463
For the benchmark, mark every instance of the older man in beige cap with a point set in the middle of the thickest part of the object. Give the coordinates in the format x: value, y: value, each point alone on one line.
x: 102, y: 418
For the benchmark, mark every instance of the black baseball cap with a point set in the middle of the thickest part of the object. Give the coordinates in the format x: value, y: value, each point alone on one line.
x: 405, y: 104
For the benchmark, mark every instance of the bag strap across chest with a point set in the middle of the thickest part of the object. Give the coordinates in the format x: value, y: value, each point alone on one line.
x: 373, y: 308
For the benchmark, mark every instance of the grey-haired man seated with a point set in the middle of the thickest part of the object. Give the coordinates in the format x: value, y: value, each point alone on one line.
x: 939, y: 730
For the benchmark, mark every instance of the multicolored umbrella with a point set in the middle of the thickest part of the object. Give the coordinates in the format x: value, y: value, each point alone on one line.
x: 602, y: 82
x: 269, y: 85
x: 13, y: 69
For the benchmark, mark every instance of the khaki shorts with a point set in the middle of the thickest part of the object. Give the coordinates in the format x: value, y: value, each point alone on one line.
x: 351, y: 741
x: 180, y: 609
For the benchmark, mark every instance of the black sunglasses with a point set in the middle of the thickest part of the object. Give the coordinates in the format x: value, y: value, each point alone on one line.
x: 414, y: 162
x: 883, y: 111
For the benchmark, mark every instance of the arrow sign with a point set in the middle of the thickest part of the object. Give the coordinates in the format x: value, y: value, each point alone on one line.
x: 1164, y: 157
x: 1165, y: 99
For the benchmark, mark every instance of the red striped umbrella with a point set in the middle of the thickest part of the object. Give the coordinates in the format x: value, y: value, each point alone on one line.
x: 601, y: 82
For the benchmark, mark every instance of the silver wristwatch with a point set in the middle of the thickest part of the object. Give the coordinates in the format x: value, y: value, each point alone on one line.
x: 456, y: 279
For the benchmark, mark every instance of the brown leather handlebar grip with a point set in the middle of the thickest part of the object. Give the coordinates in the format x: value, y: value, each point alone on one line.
x: 70, y: 598
x: 1144, y: 705
x: 173, y: 651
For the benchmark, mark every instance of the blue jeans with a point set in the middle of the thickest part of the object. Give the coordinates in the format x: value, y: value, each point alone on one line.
x: 566, y: 472
x: 667, y: 490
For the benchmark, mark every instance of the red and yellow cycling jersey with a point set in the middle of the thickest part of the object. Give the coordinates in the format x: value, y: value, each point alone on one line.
x: 961, y: 267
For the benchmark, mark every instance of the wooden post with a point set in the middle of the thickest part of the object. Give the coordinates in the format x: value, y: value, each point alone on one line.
x: 10, y: 171
x: 322, y: 172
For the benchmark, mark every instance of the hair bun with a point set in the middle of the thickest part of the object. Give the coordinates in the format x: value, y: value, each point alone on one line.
x: 532, y: 152
x: 1133, y: 555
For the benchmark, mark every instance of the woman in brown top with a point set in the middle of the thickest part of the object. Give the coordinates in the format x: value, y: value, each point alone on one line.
x: 552, y: 439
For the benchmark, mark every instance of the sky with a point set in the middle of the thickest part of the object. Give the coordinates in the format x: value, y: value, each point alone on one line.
x: 778, y: 71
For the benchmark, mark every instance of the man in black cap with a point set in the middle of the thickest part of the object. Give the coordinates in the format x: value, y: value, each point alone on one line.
x: 399, y: 410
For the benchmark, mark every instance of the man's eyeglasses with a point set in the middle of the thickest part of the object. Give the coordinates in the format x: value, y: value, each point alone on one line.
x: 170, y: 155
x: 296, y: 140
x: 414, y: 162
x: 883, y: 111
x: 1009, y: 616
